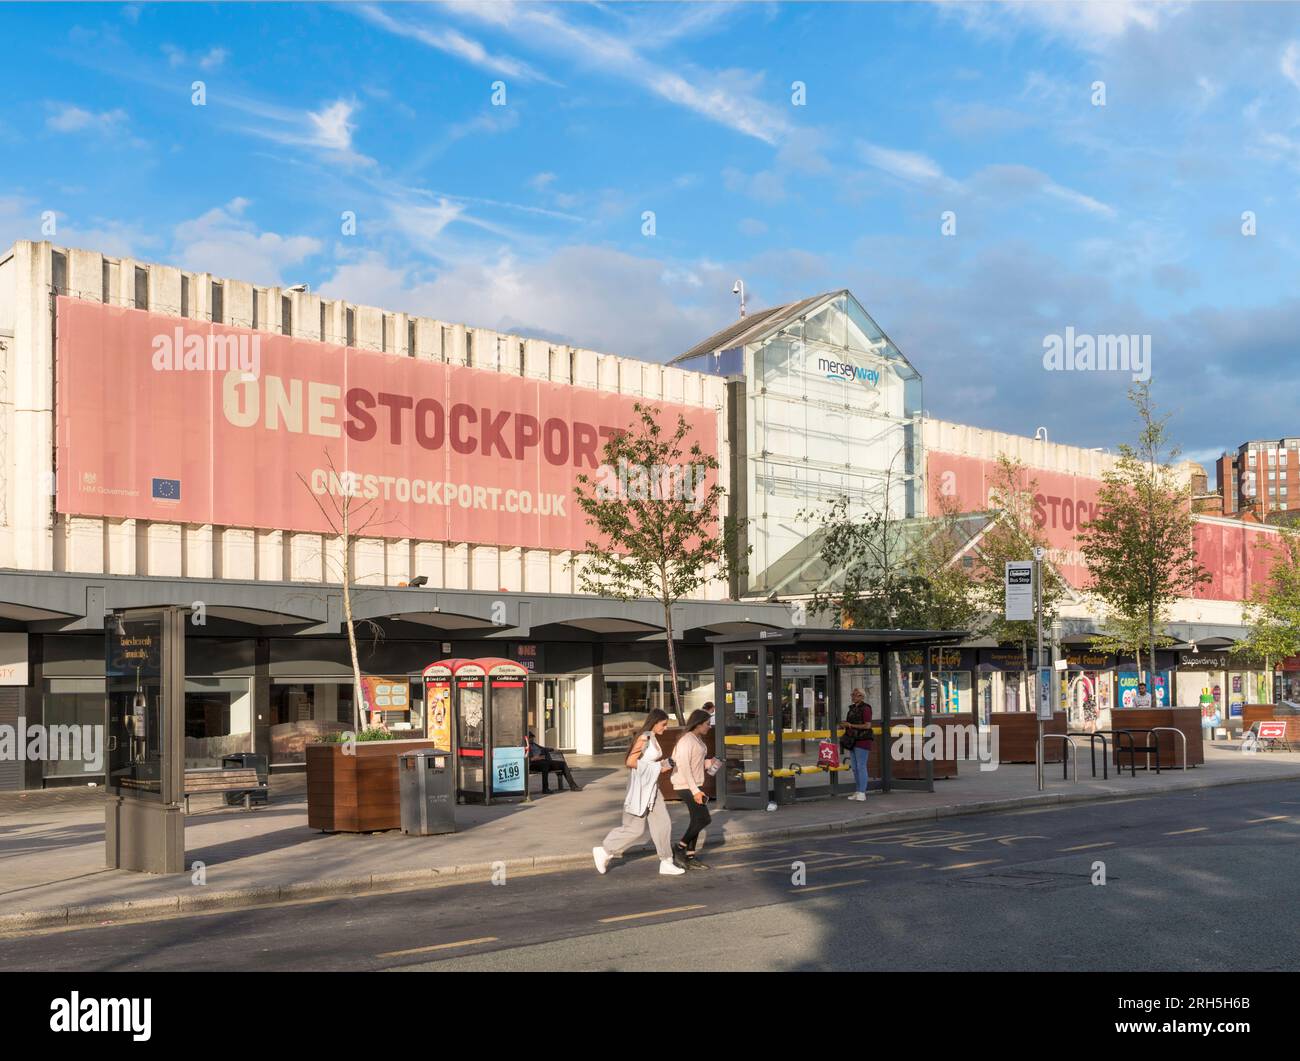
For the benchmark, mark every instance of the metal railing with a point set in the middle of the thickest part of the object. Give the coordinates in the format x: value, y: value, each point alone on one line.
x: 1181, y: 736
x: 1065, y: 763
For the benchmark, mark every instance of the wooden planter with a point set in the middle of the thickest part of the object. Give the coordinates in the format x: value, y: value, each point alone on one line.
x: 356, y: 793
x: 914, y: 769
x: 1252, y: 713
x: 1018, y: 733
x: 1187, y: 719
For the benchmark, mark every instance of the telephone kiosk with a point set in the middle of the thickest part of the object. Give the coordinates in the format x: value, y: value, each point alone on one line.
x: 476, y: 710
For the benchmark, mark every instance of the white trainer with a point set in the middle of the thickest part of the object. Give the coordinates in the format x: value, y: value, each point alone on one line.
x: 861, y: 797
x: 667, y: 868
x: 602, y: 859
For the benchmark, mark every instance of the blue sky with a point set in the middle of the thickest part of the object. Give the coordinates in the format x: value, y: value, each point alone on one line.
x: 528, y: 216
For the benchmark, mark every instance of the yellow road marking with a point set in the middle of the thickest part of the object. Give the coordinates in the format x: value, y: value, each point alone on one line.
x: 437, y: 946
x: 1183, y: 832
x: 972, y: 865
x: 1085, y: 847
x: 1275, y: 818
x: 651, y: 913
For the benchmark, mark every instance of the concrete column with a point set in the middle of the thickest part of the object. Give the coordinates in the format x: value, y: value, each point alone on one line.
x: 537, y: 571
x: 454, y: 337
x: 456, y: 565
x: 485, y: 568
x: 512, y: 570
x: 561, y: 573
x: 428, y: 562
x: 32, y: 450
x: 83, y: 537
x: 269, y: 556
x: 398, y: 561
x: 369, y: 323
x: 368, y: 561
x: 238, y: 554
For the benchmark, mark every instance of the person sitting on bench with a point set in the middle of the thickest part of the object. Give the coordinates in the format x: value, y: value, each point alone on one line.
x: 547, y: 761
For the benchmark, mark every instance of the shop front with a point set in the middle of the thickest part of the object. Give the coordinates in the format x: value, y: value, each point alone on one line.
x: 1220, y: 683
x: 952, y: 675
x: 1004, y: 685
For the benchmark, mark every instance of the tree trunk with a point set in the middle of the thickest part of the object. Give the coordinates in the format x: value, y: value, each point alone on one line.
x: 1151, y: 633
x: 357, y: 700
x: 672, y: 663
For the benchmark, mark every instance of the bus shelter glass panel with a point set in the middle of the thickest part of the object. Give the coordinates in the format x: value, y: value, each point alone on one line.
x: 744, y: 730
x: 804, y: 720
x: 470, y: 764
x: 509, y: 765
x: 133, y: 665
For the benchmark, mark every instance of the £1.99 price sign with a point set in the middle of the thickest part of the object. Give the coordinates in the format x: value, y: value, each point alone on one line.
x: 508, y: 770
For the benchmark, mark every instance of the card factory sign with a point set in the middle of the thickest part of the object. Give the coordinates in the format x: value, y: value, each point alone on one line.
x: 191, y: 422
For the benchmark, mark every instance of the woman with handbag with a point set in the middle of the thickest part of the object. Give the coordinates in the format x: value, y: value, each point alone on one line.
x: 856, y: 741
x: 643, y: 806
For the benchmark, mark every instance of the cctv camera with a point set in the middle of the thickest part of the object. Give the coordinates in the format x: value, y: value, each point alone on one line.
x: 735, y: 288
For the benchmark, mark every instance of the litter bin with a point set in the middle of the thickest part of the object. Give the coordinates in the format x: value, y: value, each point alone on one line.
x: 247, y: 760
x: 427, y: 791
x: 784, y: 791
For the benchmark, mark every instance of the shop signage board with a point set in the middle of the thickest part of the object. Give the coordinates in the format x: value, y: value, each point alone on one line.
x: 13, y: 659
x: 1045, y: 707
x: 1019, y: 586
x: 186, y: 421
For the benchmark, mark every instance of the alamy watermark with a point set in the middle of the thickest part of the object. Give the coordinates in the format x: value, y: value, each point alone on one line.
x: 39, y: 743
x: 179, y: 352
x: 659, y: 482
x: 935, y: 742
x: 1073, y: 352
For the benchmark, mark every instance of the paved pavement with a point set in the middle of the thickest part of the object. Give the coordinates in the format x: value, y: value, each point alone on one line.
x: 1009, y: 890
x: 51, y: 845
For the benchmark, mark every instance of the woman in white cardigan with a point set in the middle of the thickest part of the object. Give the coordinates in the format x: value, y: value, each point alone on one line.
x: 644, y: 806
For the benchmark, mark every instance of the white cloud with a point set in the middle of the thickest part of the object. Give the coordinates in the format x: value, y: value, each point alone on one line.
x: 728, y: 97
x: 998, y: 181
x: 225, y: 243
x: 210, y: 60
x: 450, y: 42
x: 1093, y: 24
x: 592, y: 297
x: 71, y: 119
x: 332, y: 127
x: 1291, y: 63
x: 910, y: 166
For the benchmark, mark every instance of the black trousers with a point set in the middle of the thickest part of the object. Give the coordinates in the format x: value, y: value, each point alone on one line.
x: 558, y: 765
x: 700, y: 818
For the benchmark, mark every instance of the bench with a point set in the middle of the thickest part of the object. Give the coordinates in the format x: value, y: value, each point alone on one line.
x: 215, y: 782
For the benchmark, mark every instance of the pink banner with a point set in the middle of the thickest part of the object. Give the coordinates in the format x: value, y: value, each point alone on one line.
x: 1237, y: 555
x: 183, y: 421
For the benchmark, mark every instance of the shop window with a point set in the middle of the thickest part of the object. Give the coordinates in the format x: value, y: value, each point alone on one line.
x: 73, y: 702
x: 629, y: 700
x: 218, y: 719
x: 302, y: 711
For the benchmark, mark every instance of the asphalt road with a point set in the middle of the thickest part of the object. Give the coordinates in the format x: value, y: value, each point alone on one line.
x: 1189, y: 883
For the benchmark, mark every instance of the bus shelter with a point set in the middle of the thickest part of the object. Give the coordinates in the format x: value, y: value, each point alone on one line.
x: 782, y: 693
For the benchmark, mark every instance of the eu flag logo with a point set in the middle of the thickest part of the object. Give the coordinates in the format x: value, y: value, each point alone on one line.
x: 167, y: 489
